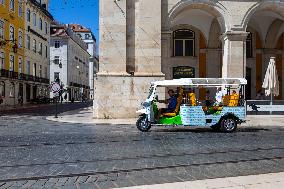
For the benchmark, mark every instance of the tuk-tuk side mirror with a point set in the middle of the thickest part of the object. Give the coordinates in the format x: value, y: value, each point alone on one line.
x: 156, y: 97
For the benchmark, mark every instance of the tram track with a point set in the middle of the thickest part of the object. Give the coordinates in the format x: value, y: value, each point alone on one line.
x: 151, y: 168
x: 121, y: 171
x: 118, y: 140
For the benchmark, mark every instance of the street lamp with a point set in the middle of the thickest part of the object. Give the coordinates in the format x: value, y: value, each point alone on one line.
x: 14, y: 47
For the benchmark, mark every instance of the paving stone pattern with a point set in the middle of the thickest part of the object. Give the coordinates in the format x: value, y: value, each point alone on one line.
x: 36, y: 153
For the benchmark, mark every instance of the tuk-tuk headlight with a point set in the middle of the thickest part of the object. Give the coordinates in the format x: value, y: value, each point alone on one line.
x: 146, y: 104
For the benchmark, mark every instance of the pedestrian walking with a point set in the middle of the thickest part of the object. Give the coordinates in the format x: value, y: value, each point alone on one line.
x: 20, y: 100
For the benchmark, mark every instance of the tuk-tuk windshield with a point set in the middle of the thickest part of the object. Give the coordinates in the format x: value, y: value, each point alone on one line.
x: 151, y: 90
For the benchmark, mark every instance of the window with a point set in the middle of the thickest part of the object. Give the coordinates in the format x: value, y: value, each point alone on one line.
x: 20, y: 9
x: 34, y: 69
x: 249, y: 46
x: 40, y: 48
x: 12, y: 33
x: 34, y: 45
x: 28, y: 68
x: 2, y: 29
x: 2, y: 88
x: 40, y: 24
x: 20, y: 39
x: 45, y: 72
x: 87, y: 36
x: 45, y: 27
x: 56, y: 60
x: 57, y: 44
x: 28, y: 15
x: 28, y: 40
x: 184, y: 43
x: 46, y: 51
x: 56, y: 76
x: 2, y: 60
x: 40, y: 70
x: 12, y: 63
x: 12, y: 5
x: 34, y: 19
x: 12, y: 90
x: 20, y: 65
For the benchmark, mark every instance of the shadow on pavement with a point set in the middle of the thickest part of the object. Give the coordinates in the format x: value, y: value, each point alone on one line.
x: 47, y: 110
x: 205, y: 130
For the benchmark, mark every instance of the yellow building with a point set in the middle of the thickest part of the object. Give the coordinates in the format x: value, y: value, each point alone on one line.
x: 12, y: 56
x: 24, y: 50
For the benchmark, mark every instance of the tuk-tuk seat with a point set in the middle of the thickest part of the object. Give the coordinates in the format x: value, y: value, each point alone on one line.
x: 192, y: 99
x: 176, y: 111
x: 234, y: 100
x: 231, y: 100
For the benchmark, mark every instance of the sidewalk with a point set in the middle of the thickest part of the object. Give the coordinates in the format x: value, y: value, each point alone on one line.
x: 263, y: 181
x: 86, y: 116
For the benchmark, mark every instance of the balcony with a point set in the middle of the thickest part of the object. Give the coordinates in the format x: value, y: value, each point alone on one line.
x: 4, y: 73
x: 13, y: 75
x: 22, y: 76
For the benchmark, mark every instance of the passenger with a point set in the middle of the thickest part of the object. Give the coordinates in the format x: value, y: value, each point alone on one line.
x: 219, y: 97
x: 172, y: 103
x: 192, y: 98
x: 208, y: 99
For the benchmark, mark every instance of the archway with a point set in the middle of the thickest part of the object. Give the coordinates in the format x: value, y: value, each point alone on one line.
x: 267, y: 23
x: 206, y: 24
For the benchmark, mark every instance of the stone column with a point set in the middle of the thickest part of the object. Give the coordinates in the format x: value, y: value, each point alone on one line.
x: 234, y: 54
x: 148, y: 37
x: 118, y: 94
x: 112, y: 37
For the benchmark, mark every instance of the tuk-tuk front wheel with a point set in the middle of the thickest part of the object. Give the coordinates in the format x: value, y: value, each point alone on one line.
x: 143, y: 124
x: 228, y: 125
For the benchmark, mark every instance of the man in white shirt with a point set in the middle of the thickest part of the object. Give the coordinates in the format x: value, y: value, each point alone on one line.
x: 219, y: 96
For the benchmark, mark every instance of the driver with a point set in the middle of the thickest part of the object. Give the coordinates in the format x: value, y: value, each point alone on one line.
x: 172, y: 103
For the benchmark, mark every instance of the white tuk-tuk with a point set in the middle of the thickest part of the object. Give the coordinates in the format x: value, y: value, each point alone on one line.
x: 223, y: 115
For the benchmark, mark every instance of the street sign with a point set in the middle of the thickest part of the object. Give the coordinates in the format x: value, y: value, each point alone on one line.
x: 55, y: 87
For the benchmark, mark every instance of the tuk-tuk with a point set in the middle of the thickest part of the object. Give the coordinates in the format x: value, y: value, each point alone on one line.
x: 223, y: 115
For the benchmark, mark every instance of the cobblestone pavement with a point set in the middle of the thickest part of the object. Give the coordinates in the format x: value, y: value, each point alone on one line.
x: 37, y: 153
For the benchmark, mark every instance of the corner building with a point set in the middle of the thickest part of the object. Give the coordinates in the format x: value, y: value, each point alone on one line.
x: 141, y: 43
x: 69, y: 62
x: 37, y: 45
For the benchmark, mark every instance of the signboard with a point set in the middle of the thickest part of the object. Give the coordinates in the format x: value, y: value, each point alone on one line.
x: 55, y: 87
x: 183, y: 72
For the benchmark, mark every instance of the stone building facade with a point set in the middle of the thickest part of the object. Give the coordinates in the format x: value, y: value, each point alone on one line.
x: 37, y: 37
x: 69, y: 63
x: 146, y: 40
x: 88, y: 37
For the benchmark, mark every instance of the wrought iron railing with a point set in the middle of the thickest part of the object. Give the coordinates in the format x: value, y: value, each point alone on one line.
x: 21, y: 76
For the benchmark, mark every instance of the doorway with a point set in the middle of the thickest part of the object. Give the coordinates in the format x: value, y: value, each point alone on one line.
x: 28, y: 92
x: 248, y: 86
x: 34, y: 92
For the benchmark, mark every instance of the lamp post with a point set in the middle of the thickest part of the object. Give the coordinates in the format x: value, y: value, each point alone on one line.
x: 15, y: 46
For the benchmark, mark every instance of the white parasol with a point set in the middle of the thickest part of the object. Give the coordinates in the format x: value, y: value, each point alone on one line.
x: 271, y: 82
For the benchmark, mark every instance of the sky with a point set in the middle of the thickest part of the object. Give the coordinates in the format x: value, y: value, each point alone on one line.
x: 84, y: 12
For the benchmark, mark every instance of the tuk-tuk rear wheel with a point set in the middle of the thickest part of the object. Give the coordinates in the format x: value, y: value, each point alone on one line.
x: 143, y: 124
x: 228, y: 125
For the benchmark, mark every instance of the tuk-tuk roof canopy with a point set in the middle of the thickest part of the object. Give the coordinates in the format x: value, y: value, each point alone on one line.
x: 202, y: 82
